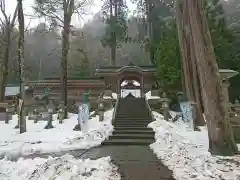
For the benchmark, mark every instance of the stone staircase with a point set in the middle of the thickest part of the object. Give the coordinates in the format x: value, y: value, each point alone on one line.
x: 130, y: 125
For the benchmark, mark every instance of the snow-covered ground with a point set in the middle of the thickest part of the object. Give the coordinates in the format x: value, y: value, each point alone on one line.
x: 38, y: 140
x: 62, y: 168
x: 186, y: 153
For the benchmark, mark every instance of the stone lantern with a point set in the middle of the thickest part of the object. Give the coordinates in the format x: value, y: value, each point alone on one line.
x: 9, y: 113
x: 155, y: 91
x: 101, y: 108
x: 237, y: 107
x: 7, y: 116
x: 225, y: 75
x: 5, y: 106
x: 50, y: 116
x: 108, y: 94
x: 60, y: 113
x: 165, y: 106
x: 36, y: 115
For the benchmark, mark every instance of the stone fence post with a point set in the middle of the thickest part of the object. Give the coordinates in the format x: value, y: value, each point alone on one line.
x: 108, y: 93
x: 237, y: 107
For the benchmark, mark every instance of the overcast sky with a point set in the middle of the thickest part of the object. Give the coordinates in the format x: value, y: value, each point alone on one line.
x: 11, y: 4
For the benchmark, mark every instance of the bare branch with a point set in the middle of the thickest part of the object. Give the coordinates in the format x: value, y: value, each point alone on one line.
x: 83, y: 52
x: 26, y: 29
x: 7, y: 24
x: 14, y: 18
x: 3, y: 8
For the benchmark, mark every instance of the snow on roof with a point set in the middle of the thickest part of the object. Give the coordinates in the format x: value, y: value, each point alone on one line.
x: 135, y: 83
x: 124, y: 83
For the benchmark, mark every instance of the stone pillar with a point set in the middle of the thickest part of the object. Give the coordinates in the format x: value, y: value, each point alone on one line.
x: 226, y: 84
x: 142, y: 86
x: 118, y: 86
x: 237, y: 107
x: 101, y: 108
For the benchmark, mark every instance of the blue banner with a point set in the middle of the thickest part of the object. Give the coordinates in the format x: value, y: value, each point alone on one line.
x: 186, y: 108
x: 83, y: 113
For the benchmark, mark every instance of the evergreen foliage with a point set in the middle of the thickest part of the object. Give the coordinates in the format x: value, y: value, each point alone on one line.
x: 115, y: 24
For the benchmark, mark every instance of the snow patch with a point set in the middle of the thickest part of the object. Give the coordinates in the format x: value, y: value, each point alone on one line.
x: 63, y: 168
x: 185, y: 152
x: 38, y: 140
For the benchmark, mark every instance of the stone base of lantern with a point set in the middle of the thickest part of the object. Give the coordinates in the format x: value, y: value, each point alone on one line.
x: 77, y: 127
x: 155, y: 92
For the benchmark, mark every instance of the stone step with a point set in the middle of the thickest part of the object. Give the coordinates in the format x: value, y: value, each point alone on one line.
x: 124, y: 131
x: 136, y: 115
x: 132, y: 100
x: 136, y: 102
x: 133, y: 119
x: 118, y: 121
x: 127, y: 142
x: 131, y: 128
x: 130, y: 111
x: 132, y: 115
x: 130, y: 119
x: 132, y: 136
x: 131, y: 125
x: 130, y: 105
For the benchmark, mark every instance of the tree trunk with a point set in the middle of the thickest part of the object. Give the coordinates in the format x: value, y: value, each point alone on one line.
x: 2, y: 80
x: 68, y: 10
x: 21, y: 66
x: 65, y: 42
x: 5, y: 60
x: 2, y: 85
x: 190, y: 74
x: 8, y: 28
x: 113, y: 21
x: 149, y: 10
x: 197, y: 96
x: 5, y: 63
x: 221, y: 140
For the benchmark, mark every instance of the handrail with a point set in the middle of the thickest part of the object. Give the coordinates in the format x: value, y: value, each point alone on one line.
x: 148, y: 107
x: 115, y: 108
